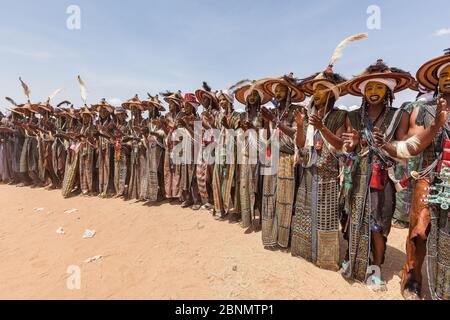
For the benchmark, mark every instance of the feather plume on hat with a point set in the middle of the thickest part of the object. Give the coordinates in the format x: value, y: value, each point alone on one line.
x: 337, y: 54
x: 53, y: 95
x: 167, y: 93
x: 11, y: 101
x: 83, y: 90
x: 239, y: 85
x: 26, y: 89
x: 65, y: 102
x: 206, y: 87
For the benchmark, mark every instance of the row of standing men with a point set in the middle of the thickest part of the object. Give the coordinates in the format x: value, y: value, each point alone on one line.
x: 335, y: 169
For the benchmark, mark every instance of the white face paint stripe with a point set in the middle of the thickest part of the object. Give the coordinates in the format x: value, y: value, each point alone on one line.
x: 390, y: 83
x: 248, y: 92
x: 442, y: 68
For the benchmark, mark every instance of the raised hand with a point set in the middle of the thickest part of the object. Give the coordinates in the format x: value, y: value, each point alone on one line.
x: 245, y: 125
x: 351, y: 139
x: 299, y: 116
x: 442, y: 113
x: 316, y: 121
x: 267, y: 114
x: 378, y: 137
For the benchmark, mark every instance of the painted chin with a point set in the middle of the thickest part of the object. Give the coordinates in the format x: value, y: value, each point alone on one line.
x: 446, y: 87
x: 375, y: 99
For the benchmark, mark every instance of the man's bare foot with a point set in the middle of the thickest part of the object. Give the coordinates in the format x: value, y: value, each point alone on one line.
x: 412, y: 291
x: 51, y: 186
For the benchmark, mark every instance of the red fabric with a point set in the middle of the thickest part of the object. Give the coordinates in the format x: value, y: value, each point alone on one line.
x: 443, y: 163
x: 379, y: 177
x: 190, y: 98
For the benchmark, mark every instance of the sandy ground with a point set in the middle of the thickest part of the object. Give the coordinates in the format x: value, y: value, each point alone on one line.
x: 159, y: 252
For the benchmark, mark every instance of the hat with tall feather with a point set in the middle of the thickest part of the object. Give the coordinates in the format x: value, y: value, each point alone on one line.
x: 120, y: 110
x: 328, y: 78
x: 227, y: 94
x: 153, y: 101
x: 134, y: 102
x: 428, y: 74
x: 32, y: 107
x: 103, y: 104
x: 86, y: 111
x: 395, y: 79
x: 206, y: 94
x: 176, y: 97
x: 269, y: 85
x: 83, y: 90
x: 244, y: 88
x: 18, y: 109
x: 72, y: 112
x: 45, y: 106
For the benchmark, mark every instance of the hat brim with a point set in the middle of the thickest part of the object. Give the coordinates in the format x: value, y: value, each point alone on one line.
x: 97, y: 107
x: 18, y: 110
x: 203, y: 95
x: 147, y: 105
x: 298, y: 95
x: 241, y: 93
x: 46, y: 108
x: 404, y: 81
x: 73, y: 115
x: 86, y: 111
x: 427, y: 74
x: 175, y: 100
x: 120, y: 111
x: 32, y: 107
x: 129, y: 105
x: 308, y: 86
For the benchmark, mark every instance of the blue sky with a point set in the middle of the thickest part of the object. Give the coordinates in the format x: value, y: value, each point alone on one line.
x: 128, y: 47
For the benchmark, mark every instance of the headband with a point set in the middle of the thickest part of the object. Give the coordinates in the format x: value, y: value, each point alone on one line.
x: 248, y: 92
x: 227, y: 95
x: 329, y: 85
x: 445, y: 65
x: 390, y: 83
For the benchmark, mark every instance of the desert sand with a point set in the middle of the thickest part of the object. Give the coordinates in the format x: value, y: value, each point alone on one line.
x: 154, y: 252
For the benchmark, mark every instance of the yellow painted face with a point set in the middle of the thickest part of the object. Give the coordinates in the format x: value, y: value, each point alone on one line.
x: 103, y: 113
x: 444, y: 80
x: 281, y: 92
x: 375, y: 92
x: 321, y: 95
x: 223, y: 102
x: 253, y: 98
x: 86, y: 118
x: 136, y: 112
x: 151, y: 108
x: 187, y: 108
x: 122, y: 116
x: 172, y: 106
x: 206, y: 101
